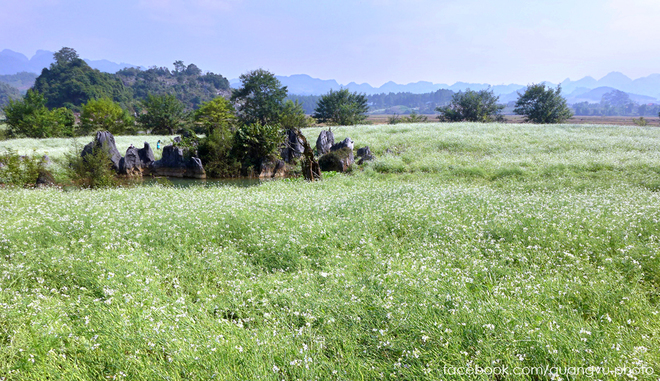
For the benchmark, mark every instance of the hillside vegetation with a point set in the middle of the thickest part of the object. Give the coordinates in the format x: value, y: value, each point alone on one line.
x: 462, y: 245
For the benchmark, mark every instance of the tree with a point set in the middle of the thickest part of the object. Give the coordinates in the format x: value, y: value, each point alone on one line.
x: 8, y: 92
x: 341, y: 108
x: 293, y: 116
x: 541, y: 105
x: 472, y: 106
x: 615, y: 98
x: 164, y: 114
x: 65, y: 56
x: 105, y: 115
x: 216, y: 114
x: 260, y: 98
x: 31, y: 118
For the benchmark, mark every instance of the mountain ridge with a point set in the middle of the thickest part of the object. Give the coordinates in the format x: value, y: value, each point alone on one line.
x: 644, y: 88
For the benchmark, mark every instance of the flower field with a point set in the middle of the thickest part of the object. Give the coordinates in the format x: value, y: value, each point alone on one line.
x: 462, y: 246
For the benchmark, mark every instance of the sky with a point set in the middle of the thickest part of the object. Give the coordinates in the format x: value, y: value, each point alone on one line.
x: 372, y: 41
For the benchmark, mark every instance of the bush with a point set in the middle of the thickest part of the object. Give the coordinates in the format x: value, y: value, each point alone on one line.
x: 20, y: 170
x: 394, y: 119
x: 641, y: 121
x: 254, y: 142
x: 216, y: 154
x: 92, y: 171
x: 472, y: 106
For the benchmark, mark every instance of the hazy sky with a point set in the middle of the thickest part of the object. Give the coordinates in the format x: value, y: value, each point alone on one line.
x: 374, y: 41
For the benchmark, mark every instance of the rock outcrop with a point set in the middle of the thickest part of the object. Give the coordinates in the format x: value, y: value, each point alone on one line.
x: 364, y: 154
x: 45, y: 179
x: 106, y: 141
x: 174, y: 163
x: 137, y: 162
x: 324, y: 142
x: 293, y: 146
x: 346, y: 143
x: 272, y: 168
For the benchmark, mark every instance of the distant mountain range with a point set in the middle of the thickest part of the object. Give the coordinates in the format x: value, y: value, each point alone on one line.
x: 587, y: 89
x: 12, y: 62
x: 641, y: 90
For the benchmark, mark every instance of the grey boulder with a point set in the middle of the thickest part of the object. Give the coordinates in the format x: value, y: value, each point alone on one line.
x: 106, y: 141
x: 324, y: 142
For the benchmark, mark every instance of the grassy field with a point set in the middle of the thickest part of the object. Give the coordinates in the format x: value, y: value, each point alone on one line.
x: 463, y: 246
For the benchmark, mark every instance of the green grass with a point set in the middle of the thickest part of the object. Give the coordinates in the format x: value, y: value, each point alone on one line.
x: 461, y: 245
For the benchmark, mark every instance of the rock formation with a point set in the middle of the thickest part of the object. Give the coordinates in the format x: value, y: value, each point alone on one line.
x: 138, y: 162
x: 293, y: 146
x: 364, y: 154
x: 106, y: 141
x: 174, y: 163
x: 325, y: 140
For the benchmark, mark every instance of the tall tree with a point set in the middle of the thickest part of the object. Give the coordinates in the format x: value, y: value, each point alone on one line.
x: 341, y: 108
x: 260, y: 98
x: 541, y: 105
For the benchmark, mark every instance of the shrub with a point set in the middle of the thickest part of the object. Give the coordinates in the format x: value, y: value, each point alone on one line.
x: 394, y: 119
x: 92, y: 171
x: 472, y: 106
x: 217, y: 156
x: 641, y: 121
x: 20, y: 170
x: 254, y: 142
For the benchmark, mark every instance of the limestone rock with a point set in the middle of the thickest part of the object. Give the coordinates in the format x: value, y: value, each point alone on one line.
x: 272, y: 168
x: 106, y: 141
x: 175, y: 164
x: 137, y: 162
x: 293, y: 146
x: 364, y: 154
x: 346, y: 143
x: 324, y: 142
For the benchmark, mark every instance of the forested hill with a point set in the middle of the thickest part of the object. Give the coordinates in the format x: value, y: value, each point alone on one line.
x: 70, y: 82
x: 392, y: 103
x: 187, y: 83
